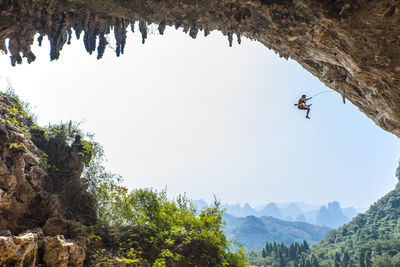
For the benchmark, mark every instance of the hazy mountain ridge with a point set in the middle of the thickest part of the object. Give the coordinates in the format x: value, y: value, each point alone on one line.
x: 372, y: 238
x: 332, y: 215
x: 373, y: 234
x: 252, y: 232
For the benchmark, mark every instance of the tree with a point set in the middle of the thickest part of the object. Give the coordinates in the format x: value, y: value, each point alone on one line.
x: 345, y: 259
x: 292, y: 252
x: 281, y: 259
x: 337, y: 260
x: 361, y: 259
x: 397, y: 173
x: 305, y: 246
x: 314, y: 261
x: 368, y: 262
x: 264, y: 253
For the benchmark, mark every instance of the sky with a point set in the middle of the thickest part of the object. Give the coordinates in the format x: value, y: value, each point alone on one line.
x: 205, y: 119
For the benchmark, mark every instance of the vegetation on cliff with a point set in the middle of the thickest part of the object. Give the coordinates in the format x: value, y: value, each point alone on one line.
x: 139, y: 228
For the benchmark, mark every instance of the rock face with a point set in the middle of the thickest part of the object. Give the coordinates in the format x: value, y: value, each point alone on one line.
x: 351, y: 46
x: 29, y: 193
x: 58, y: 252
x: 43, y: 198
x: 18, y: 250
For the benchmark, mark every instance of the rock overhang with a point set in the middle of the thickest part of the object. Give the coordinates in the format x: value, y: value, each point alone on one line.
x: 353, y: 47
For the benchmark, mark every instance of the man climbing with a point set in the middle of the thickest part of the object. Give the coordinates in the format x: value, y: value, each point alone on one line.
x: 302, y: 104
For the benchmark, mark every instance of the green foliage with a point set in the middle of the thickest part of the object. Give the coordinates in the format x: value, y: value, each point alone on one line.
x: 19, y: 105
x: 278, y: 254
x: 18, y: 112
x: 162, y: 232
x: 370, y: 239
x: 17, y: 146
x: 151, y: 230
x: 102, y: 184
x: 63, y: 133
x: 397, y: 172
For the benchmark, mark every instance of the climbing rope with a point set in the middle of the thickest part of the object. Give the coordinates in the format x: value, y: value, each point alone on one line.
x: 320, y: 93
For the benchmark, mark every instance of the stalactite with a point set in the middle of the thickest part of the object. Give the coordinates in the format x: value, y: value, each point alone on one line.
x: 120, y: 35
x: 78, y: 33
x: 161, y: 27
x: 29, y: 56
x: 56, y: 43
x: 69, y: 31
x: 16, y: 59
x: 102, y: 46
x: 133, y: 27
x: 143, y: 30
x: 193, y: 32
x: 89, y: 39
x: 3, y: 46
x: 230, y: 38
x: 40, y: 39
x: 178, y: 24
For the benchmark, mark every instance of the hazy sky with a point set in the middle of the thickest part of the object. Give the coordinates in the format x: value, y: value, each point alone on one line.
x: 199, y: 117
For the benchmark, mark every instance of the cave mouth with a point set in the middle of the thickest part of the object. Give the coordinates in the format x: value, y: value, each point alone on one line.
x: 235, y: 104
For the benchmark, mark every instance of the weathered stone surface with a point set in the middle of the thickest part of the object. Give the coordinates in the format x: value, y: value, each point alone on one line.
x: 70, y: 229
x: 29, y: 195
x: 62, y: 253
x: 33, y: 195
x: 18, y: 251
x: 353, y: 47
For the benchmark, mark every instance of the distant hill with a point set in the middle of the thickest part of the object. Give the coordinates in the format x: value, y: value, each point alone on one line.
x: 271, y: 210
x: 370, y: 236
x: 331, y: 215
x: 371, y: 239
x: 252, y: 232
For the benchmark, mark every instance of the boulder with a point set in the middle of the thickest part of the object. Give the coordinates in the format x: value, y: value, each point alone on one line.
x: 18, y: 251
x: 62, y: 253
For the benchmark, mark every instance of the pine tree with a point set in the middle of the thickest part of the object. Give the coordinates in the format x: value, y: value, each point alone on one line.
x: 264, y: 253
x: 337, y: 260
x: 345, y: 259
x: 361, y: 259
x: 268, y: 247
x: 368, y: 262
x: 292, y: 252
x: 281, y: 259
x: 305, y: 246
x: 314, y: 261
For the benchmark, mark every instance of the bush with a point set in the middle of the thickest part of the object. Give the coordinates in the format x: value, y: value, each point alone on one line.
x: 161, y: 232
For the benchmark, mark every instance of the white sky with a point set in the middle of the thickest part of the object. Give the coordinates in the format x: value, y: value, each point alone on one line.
x: 199, y: 117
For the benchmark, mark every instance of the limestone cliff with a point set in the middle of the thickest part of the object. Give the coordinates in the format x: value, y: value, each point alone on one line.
x: 43, y: 199
x: 351, y: 46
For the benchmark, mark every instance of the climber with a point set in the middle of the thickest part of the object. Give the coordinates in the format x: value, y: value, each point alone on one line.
x: 302, y: 104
